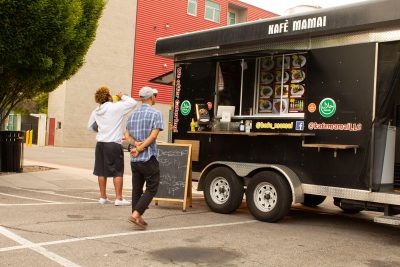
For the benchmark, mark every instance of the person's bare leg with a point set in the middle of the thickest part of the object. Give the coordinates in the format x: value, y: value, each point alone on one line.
x: 118, y: 183
x: 103, y: 186
x: 136, y: 215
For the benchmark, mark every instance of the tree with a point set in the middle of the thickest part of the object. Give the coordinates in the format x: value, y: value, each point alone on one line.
x: 42, y: 44
x: 37, y: 104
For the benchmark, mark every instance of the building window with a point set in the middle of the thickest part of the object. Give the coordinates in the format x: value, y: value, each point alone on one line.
x: 231, y: 18
x: 192, y: 7
x: 212, y: 11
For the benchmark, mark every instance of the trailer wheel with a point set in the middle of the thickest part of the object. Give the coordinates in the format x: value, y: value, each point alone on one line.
x: 313, y: 200
x: 268, y: 196
x: 223, y: 190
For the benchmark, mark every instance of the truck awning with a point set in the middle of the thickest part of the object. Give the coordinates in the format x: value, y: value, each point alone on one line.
x: 324, y: 22
x: 165, y: 79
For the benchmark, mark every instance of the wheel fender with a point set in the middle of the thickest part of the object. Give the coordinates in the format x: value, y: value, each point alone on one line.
x: 244, y: 169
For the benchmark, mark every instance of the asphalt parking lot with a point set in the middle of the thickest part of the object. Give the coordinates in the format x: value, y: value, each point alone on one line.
x: 52, y: 218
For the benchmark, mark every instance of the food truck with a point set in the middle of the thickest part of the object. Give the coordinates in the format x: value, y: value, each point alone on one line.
x: 293, y: 109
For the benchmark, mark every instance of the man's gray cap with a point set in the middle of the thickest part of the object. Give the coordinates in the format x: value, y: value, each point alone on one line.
x: 147, y: 92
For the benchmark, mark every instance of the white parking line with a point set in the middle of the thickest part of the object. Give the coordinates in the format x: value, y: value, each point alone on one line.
x: 30, y: 198
x: 55, y: 194
x: 32, y: 245
x: 44, y: 204
x: 48, y: 254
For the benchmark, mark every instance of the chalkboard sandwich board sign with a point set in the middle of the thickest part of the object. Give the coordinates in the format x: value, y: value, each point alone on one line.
x: 175, y: 173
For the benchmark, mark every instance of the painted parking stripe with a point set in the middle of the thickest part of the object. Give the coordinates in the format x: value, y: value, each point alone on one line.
x: 30, y: 198
x: 71, y: 240
x: 55, y: 194
x: 45, y: 204
x: 48, y: 254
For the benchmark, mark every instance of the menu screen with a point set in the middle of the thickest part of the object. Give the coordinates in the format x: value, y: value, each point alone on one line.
x: 281, y: 85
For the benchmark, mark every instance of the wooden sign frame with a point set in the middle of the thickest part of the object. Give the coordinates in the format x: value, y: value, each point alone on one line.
x: 187, y: 194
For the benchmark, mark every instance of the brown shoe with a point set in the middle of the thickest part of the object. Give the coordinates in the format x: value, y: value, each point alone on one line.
x: 143, y: 221
x: 137, y: 222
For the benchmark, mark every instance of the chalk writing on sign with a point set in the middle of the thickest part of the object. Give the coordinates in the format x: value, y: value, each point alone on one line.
x: 173, y: 162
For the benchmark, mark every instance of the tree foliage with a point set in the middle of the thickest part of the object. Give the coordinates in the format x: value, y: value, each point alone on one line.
x: 37, y: 104
x: 42, y: 43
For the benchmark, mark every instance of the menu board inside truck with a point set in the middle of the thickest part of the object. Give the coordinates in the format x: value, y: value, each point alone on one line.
x: 281, y: 83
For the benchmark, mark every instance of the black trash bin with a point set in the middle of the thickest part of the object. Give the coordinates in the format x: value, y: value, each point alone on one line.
x: 11, y: 151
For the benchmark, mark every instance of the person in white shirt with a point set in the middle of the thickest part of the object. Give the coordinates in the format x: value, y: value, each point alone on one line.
x: 106, y: 120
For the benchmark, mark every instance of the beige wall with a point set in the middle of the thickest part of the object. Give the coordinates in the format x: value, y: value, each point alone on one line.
x: 165, y: 109
x: 109, y: 62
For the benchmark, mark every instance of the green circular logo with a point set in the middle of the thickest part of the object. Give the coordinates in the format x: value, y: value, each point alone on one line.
x: 185, y: 108
x: 327, y: 107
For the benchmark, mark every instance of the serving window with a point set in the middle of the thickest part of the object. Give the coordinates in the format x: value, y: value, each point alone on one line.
x: 270, y: 86
x: 235, y: 85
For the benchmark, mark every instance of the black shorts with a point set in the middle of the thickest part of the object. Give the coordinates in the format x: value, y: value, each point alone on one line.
x: 109, y: 160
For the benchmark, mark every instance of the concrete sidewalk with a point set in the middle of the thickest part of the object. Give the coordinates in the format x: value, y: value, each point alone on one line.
x: 58, y: 178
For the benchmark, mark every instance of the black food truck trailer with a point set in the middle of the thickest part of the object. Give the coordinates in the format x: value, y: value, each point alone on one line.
x: 293, y: 109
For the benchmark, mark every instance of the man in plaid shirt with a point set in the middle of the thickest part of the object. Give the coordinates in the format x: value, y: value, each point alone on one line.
x: 142, y: 128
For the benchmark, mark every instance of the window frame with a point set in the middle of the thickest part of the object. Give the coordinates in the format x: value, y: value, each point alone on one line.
x: 195, y: 3
x: 213, y: 9
x: 244, y: 108
x: 229, y: 17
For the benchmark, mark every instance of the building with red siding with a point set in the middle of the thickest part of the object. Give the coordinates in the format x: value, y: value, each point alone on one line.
x: 157, y: 19
x: 123, y: 57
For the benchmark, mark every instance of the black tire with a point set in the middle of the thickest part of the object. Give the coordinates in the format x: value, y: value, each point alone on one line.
x: 313, y: 200
x: 268, y: 196
x: 223, y: 190
x: 348, y: 210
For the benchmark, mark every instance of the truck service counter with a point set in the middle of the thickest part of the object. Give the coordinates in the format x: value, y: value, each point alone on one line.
x: 335, y: 147
x: 252, y: 133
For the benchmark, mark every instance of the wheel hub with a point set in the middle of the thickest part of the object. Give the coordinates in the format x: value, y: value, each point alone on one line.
x: 219, y: 190
x: 265, y: 196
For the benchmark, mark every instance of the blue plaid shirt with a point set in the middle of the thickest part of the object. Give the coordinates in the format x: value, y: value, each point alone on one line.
x: 140, y: 124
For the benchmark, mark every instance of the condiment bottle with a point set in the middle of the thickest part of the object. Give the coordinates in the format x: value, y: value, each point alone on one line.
x: 241, y: 126
x: 248, y: 126
x: 192, y: 126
